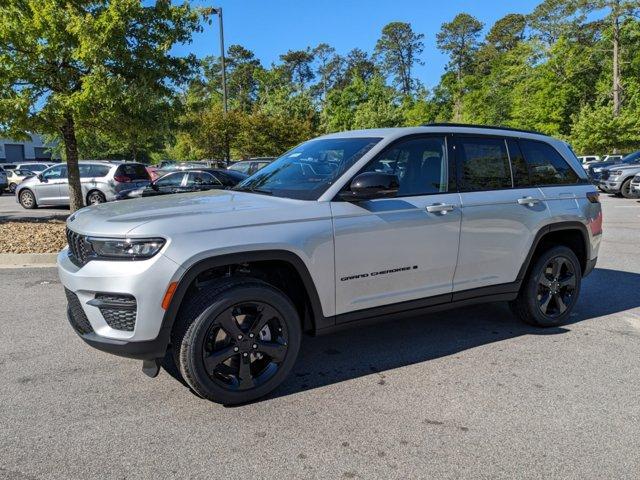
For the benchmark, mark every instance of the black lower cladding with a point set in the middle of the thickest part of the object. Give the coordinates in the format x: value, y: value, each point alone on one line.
x: 75, y: 312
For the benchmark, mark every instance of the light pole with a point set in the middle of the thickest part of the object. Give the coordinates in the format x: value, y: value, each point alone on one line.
x: 218, y: 11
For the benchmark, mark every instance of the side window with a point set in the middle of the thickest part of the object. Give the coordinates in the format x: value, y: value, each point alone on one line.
x: 202, y: 178
x: 92, y: 171
x: 518, y: 165
x: 483, y: 163
x: 546, y: 165
x: 420, y: 164
x: 171, y: 180
x: 57, y: 172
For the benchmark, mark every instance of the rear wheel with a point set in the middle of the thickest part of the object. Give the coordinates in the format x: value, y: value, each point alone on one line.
x: 551, y: 288
x: 237, y: 340
x: 95, y: 198
x: 27, y: 199
x: 12, y: 187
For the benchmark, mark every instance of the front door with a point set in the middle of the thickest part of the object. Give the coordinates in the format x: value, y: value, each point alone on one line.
x: 48, y: 189
x: 393, y: 250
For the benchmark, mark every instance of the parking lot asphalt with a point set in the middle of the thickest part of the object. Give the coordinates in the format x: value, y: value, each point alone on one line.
x: 12, y: 210
x: 470, y: 393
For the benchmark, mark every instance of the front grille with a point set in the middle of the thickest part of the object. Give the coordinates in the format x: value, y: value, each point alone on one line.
x: 604, y: 175
x: 79, y: 248
x: 119, y: 311
x: 77, y: 317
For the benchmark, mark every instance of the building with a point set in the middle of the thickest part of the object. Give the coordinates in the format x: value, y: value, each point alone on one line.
x: 16, y: 151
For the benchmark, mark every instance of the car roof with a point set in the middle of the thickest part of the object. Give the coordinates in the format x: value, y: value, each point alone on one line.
x: 397, y: 132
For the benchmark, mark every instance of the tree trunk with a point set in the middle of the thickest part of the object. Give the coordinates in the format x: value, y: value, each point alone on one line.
x: 73, y: 172
x: 616, y: 60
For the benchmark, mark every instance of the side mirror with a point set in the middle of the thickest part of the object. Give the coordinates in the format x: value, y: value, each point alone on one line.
x: 370, y: 185
x: 41, y: 178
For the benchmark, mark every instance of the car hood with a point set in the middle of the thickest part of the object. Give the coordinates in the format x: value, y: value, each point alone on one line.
x: 165, y: 214
x: 623, y: 166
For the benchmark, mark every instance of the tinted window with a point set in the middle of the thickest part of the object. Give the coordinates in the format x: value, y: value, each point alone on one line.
x: 306, y: 171
x: 518, y: 165
x: 59, y: 171
x: 201, y: 178
x: 484, y: 164
x: 546, y: 165
x: 170, y: 180
x: 420, y: 165
x: 134, y: 171
x: 230, y: 177
x: 91, y: 171
x: 241, y: 167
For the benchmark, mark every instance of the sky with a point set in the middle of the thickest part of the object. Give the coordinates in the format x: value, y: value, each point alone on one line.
x: 271, y: 27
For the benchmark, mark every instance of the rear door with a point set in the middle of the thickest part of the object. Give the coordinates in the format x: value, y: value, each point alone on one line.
x: 394, y: 250
x: 501, y: 212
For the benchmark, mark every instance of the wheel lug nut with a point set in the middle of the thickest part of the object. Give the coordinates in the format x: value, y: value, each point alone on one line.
x: 245, y: 354
x: 251, y: 335
x: 235, y: 349
x: 255, y: 346
x: 239, y: 337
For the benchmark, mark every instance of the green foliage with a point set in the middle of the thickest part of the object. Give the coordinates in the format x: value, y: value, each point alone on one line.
x: 399, y: 49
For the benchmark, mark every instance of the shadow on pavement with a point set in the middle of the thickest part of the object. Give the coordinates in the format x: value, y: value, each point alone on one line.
x: 355, y: 353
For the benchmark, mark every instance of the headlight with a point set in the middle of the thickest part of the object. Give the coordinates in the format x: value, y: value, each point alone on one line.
x: 126, y: 249
x: 616, y: 173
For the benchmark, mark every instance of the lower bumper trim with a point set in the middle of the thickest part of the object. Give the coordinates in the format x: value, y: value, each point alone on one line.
x: 148, y: 350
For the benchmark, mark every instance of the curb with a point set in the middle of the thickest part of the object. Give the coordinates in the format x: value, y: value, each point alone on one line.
x: 19, y: 260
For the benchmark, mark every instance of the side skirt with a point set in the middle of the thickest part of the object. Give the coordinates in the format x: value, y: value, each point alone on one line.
x: 495, y: 293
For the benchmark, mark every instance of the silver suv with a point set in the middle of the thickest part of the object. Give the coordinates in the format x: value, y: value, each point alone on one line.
x: 101, y: 182
x: 341, y: 230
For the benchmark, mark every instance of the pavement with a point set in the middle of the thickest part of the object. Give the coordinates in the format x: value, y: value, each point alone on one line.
x: 470, y: 393
x: 12, y: 210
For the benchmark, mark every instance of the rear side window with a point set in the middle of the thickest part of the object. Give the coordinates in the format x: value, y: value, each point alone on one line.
x: 483, y: 164
x: 134, y: 171
x: 91, y: 171
x: 546, y: 165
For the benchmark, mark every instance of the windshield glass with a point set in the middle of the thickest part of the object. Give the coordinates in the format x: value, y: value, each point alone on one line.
x: 632, y: 158
x: 307, y: 170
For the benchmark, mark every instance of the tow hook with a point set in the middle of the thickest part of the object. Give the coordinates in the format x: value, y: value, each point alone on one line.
x: 151, y: 368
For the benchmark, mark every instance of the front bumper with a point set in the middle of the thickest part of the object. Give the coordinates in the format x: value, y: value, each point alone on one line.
x: 610, y: 186
x: 146, y: 281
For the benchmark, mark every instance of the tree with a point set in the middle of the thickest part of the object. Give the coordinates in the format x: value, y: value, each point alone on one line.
x: 399, y: 49
x: 329, y: 68
x: 242, y: 84
x: 507, y: 32
x: 66, y: 64
x: 297, y: 64
x: 358, y: 64
x: 459, y: 39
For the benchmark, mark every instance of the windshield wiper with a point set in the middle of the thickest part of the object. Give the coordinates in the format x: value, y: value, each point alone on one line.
x: 253, y: 190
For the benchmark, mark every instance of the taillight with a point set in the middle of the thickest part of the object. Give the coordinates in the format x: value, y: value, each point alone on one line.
x: 121, y: 179
x: 593, y: 197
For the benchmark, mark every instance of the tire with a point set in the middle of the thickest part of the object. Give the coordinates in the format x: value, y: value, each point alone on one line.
x: 248, y: 353
x: 27, y: 199
x: 625, y: 189
x: 96, y: 198
x: 12, y: 187
x: 540, y: 284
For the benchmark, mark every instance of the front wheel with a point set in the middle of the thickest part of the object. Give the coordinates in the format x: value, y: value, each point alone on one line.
x: 237, y: 340
x: 625, y: 189
x: 27, y: 199
x: 551, y: 289
x: 12, y: 187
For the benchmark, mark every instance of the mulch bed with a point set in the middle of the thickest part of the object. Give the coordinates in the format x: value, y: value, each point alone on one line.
x: 32, y: 235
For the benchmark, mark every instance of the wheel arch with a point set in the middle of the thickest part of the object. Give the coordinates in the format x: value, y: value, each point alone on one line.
x: 571, y: 234
x: 316, y: 318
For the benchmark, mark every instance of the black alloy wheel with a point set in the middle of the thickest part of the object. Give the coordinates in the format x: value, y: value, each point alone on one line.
x: 245, y: 346
x: 556, y: 287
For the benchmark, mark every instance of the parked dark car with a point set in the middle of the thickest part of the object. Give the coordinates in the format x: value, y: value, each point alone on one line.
x: 595, y: 169
x: 183, y: 181
x: 252, y: 165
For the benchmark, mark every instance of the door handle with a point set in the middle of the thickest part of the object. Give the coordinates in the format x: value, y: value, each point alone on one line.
x: 530, y: 201
x: 440, y: 208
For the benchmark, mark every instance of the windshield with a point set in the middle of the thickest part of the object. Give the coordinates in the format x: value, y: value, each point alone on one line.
x: 632, y: 158
x: 307, y: 170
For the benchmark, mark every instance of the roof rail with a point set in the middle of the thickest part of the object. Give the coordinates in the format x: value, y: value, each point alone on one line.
x: 471, y: 125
